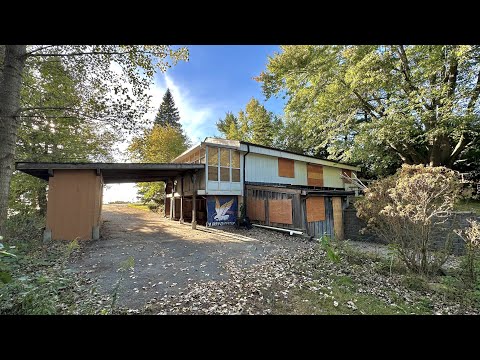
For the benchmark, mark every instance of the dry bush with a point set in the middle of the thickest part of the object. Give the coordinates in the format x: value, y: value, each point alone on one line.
x: 403, y: 210
x: 471, y: 236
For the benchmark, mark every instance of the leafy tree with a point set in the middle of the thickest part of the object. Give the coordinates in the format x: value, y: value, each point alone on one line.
x: 51, y: 135
x: 229, y: 127
x: 112, y: 79
x: 160, y: 144
x: 167, y: 113
x: 255, y: 124
x: 383, y: 104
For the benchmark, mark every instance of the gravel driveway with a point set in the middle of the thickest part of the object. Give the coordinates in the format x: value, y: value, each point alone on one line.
x: 168, y: 256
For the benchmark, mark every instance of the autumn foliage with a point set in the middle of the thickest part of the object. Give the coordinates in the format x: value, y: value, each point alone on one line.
x: 403, y: 210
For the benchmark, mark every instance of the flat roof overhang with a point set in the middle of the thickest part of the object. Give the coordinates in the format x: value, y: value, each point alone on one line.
x: 113, y: 172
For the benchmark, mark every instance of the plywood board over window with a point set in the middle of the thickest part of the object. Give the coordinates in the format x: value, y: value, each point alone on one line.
x: 346, y: 172
x: 280, y: 211
x: 286, y: 167
x: 314, y: 175
x: 315, y: 209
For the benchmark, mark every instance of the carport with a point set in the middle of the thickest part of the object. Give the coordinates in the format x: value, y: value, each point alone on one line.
x: 75, y: 191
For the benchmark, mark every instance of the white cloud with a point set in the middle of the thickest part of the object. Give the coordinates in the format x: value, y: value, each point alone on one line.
x: 193, y: 117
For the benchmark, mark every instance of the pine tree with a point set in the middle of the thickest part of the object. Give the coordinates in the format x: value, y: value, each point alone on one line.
x: 168, y: 113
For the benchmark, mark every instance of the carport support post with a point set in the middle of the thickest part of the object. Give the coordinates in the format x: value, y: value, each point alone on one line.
x: 194, y: 200
x: 181, y: 204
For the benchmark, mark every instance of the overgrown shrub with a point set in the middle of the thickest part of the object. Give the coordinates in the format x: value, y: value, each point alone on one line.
x: 403, y: 210
x: 471, y: 236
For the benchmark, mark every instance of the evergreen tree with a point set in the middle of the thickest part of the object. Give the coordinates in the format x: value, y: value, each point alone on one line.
x: 168, y: 113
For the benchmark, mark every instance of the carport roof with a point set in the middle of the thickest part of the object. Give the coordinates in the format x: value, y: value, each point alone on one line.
x: 112, y: 172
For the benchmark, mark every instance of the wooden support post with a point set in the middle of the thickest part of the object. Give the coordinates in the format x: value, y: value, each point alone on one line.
x: 194, y: 204
x: 338, y: 217
x: 181, y: 201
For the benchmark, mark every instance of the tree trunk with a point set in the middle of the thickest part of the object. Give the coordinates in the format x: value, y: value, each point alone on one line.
x: 42, y: 200
x: 10, y: 86
x: 440, y: 151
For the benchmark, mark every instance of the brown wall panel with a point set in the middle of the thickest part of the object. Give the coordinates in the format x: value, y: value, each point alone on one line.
x: 346, y: 172
x: 256, y: 209
x: 314, y: 175
x: 337, y: 217
x: 74, y: 204
x: 315, y: 209
x: 286, y: 167
x: 280, y: 211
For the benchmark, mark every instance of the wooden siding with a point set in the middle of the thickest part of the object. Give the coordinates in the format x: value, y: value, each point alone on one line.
x: 74, y: 204
x: 266, y: 196
x: 286, y: 168
x: 264, y: 169
x: 318, y: 229
x: 315, y: 175
x: 280, y: 211
x: 256, y: 208
x: 315, y: 209
x: 331, y: 177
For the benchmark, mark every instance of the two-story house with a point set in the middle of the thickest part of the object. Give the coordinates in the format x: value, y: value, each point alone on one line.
x: 275, y: 188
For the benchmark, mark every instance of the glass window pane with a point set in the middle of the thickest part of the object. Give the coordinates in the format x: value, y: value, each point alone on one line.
x: 212, y: 156
x: 213, y: 173
x: 224, y: 174
x: 235, y: 158
x: 224, y: 157
x: 236, y: 175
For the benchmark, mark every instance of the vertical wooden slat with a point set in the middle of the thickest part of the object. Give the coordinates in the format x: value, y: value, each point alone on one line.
x: 338, y: 217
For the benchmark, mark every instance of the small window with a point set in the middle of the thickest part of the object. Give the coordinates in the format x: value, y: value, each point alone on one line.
x: 235, y: 159
x: 212, y: 156
x: 225, y: 157
x: 236, y: 175
x: 213, y: 173
x: 286, y: 168
x: 224, y: 174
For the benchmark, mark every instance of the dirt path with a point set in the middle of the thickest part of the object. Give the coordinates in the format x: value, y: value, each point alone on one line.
x: 168, y: 256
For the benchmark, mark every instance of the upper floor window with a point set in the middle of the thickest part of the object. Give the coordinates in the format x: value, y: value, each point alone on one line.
x: 286, y: 167
x: 223, y: 164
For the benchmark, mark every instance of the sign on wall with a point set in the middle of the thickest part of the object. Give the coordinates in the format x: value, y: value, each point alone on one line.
x: 221, y: 210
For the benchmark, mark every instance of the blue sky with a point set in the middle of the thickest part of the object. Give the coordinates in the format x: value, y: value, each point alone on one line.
x: 216, y: 79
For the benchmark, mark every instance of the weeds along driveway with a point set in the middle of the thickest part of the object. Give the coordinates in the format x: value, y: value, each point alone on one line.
x: 167, y: 255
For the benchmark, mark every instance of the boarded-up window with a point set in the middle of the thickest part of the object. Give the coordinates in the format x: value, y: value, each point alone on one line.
x: 315, y: 209
x: 213, y: 173
x: 280, y: 211
x: 286, y: 168
x: 224, y: 157
x: 346, y: 172
x: 255, y: 208
x: 315, y: 175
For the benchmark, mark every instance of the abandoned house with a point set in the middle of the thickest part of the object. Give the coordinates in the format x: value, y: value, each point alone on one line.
x: 210, y: 184
x: 275, y: 188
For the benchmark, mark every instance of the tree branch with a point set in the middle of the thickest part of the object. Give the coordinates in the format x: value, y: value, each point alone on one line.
x: 38, y: 49
x: 475, y: 94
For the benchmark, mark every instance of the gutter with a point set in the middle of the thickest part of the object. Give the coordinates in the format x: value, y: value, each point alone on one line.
x: 244, y: 163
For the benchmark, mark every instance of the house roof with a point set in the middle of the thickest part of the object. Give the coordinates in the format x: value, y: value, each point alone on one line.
x: 255, y: 148
x: 112, y: 172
